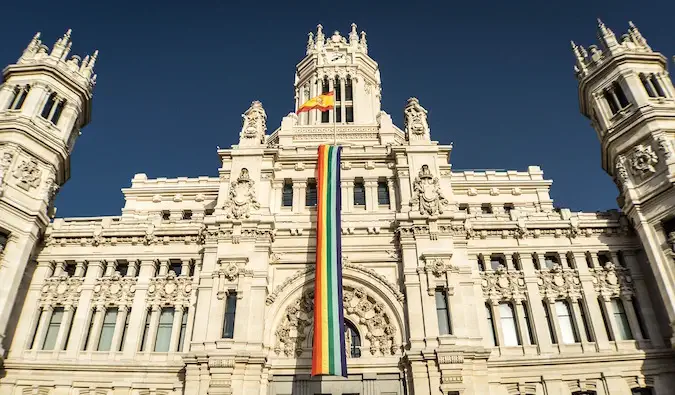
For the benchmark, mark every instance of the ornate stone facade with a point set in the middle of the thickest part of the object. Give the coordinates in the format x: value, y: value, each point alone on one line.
x: 455, y: 282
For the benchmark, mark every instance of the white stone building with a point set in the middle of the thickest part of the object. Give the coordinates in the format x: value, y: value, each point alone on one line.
x: 454, y: 282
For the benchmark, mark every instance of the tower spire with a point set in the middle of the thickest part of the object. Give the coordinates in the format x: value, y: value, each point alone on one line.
x: 580, y: 54
x: 62, y: 46
x: 636, y: 36
x: 310, y: 42
x: 353, y: 36
x: 606, y: 36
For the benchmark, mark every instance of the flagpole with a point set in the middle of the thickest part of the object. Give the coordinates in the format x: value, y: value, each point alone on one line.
x: 334, y: 124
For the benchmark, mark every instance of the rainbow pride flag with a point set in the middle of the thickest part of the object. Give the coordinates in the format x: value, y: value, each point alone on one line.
x: 328, y: 353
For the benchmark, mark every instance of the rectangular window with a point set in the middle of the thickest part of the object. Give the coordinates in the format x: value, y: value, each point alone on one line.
x: 19, y: 97
x: 310, y: 193
x: 442, y: 312
x: 641, y: 391
x: 3, y: 242
x: 53, y: 328
x: 508, y: 324
x: 657, y: 86
x: 530, y: 329
x: 359, y: 193
x: 164, y: 329
x: 146, y: 329
x: 464, y: 208
x: 382, y: 193
x: 108, y: 329
x: 508, y: 207
x: 187, y: 215
x: 491, y: 325
x: 69, y: 269
x: 547, y: 314
x: 287, y: 194
x: 349, y: 112
x: 486, y: 208
x: 35, y: 328
x: 122, y: 268
x: 349, y: 91
x: 47, y: 109
x: 338, y: 114
x: 622, y: 326
x: 550, y: 260
x: 166, y: 215
x: 566, y: 322
x: 496, y: 261
x: 605, y: 319
x: 124, y: 331
x: 325, y: 116
x: 176, y: 266
x: 230, y: 313
x: 183, y: 327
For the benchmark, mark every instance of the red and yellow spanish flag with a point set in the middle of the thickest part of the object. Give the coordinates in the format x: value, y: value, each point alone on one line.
x: 323, y: 102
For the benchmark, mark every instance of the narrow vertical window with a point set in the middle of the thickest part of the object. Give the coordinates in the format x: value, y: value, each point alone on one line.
x: 325, y: 88
x: 69, y: 269
x: 647, y: 85
x: 176, y: 266
x: 618, y: 91
x: 656, y: 85
x: 567, y: 330
x: 382, y: 193
x: 349, y: 91
x: 124, y: 331
x: 481, y: 263
x: 47, y: 109
x: 349, y: 114
x: 92, y: 314
x: 108, y: 329
x: 508, y: 207
x: 122, y: 268
x: 547, y: 314
x: 491, y: 324
x: 310, y: 193
x: 230, y: 313
x: 146, y: 329
x: 508, y: 324
x: 605, y: 319
x: 187, y: 215
x: 584, y: 319
x: 56, y: 114
x: 183, y: 328
x: 164, y: 329
x: 35, y: 328
x: 53, y: 328
x: 20, y: 94
x: 287, y: 194
x: 15, y: 95
x: 611, y: 101
x: 353, y: 340
x: 359, y: 193
x: 621, y: 320
x: 442, y: 312
x: 338, y: 100
x: 528, y: 322
x: 640, y: 318
x: 551, y: 260
x: 464, y: 208
x: 496, y: 261
x: 3, y: 242
x: 486, y: 208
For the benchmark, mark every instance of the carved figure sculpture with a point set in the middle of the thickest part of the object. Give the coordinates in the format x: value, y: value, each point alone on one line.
x: 416, y: 126
x: 254, y: 126
x: 28, y: 175
x: 242, y: 198
x: 5, y: 163
x: 427, y: 193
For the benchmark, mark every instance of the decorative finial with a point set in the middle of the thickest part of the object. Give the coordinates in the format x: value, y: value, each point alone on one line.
x: 319, y: 30
x: 606, y: 36
x: 310, y: 42
x: 636, y: 36
x: 68, y: 33
x: 353, y: 35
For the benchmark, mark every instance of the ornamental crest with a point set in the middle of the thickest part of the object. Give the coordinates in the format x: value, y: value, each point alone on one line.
x: 170, y: 290
x: 116, y: 290
x: 62, y: 290
x: 415, y: 120
x: 611, y: 281
x: 428, y: 194
x: 559, y: 283
x: 642, y: 160
x: 28, y: 175
x: 503, y: 284
x: 368, y: 315
x: 255, y: 125
x: 438, y: 267
x: 242, y: 199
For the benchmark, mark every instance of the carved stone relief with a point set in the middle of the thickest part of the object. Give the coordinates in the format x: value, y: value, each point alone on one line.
x: 28, y: 174
x: 416, y: 126
x: 666, y: 147
x: 427, y: 193
x: 170, y: 290
x: 503, y: 284
x: 559, y: 283
x: 254, y: 125
x: 642, y: 160
x: 5, y: 163
x: 61, y: 290
x: 438, y: 266
x: 242, y: 198
x: 374, y: 323
x: 115, y: 290
x: 612, y: 281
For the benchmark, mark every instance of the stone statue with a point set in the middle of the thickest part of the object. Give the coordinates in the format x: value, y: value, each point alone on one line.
x: 28, y: 175
x: 255, y: 125
x: 416, y: 126
x: 427, y: 193
x: 242, y: 198
x: 5, y: 163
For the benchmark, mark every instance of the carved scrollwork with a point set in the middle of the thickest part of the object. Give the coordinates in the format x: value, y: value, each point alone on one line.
x: 642, y: 160
x: 378, y: 327
x: 115, y: 290
x: 438, y: 266
x: 170, y: 290
x: 503, y: 284
x: 242, y: 198
x: 28, y: 174
x: 612, y: 281
x: 559, y: 283
x: 428, y: 195
x: 62, y: 290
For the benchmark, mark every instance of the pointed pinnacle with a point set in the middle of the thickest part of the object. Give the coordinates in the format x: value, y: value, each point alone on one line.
x: 574, y: 46
x: 68, y: 32
x: 600, y: 24
x: 631, y: 24
x: 36, y: 36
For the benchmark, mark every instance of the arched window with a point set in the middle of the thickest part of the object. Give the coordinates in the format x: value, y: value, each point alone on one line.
x: 349, y: 100
x: 647, y: 85
x: 352, y: 340
x: 53, y: 108
x: 338, y: 100
x: 18, y: 97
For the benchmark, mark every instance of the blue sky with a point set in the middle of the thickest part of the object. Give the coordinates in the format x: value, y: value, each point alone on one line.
x: 174, y: 78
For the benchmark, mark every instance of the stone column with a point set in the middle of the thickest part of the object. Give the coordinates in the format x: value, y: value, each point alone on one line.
x: 497, y: 321
x: 632, y: 317
x: 175, y: 328
x: 371, y: 195
x: 139, y: 308
x: 79, y: 269
x: 122, y: 312
x: 300, y: 187
x: 413, y: 292
x: 61, y: 339
x: 41, y: 332
x: 606, y: 306
x: 590, y: 297
x: 277, y: 195
x: 541, y: 332
x: 644, y: 300
x: 163, y: 268
x: 83, y: 315
x: 331, y: 88
x: 59, y: 268
x: 110, y: 268
x: 345, y: 195
x: 6, y: 94
x: 152, y: 331
x: 578, y: 320
x: 133, y: 268
x: 522, y: 324
x: 35, y: 99
x: 509, y: 261
x: 553, y: 315
x: 185, y: 267
x: 67, y: 119
x: 95, y: 334
x: 311, y: 115
x: 392, y: 194
x: 348, y: 202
